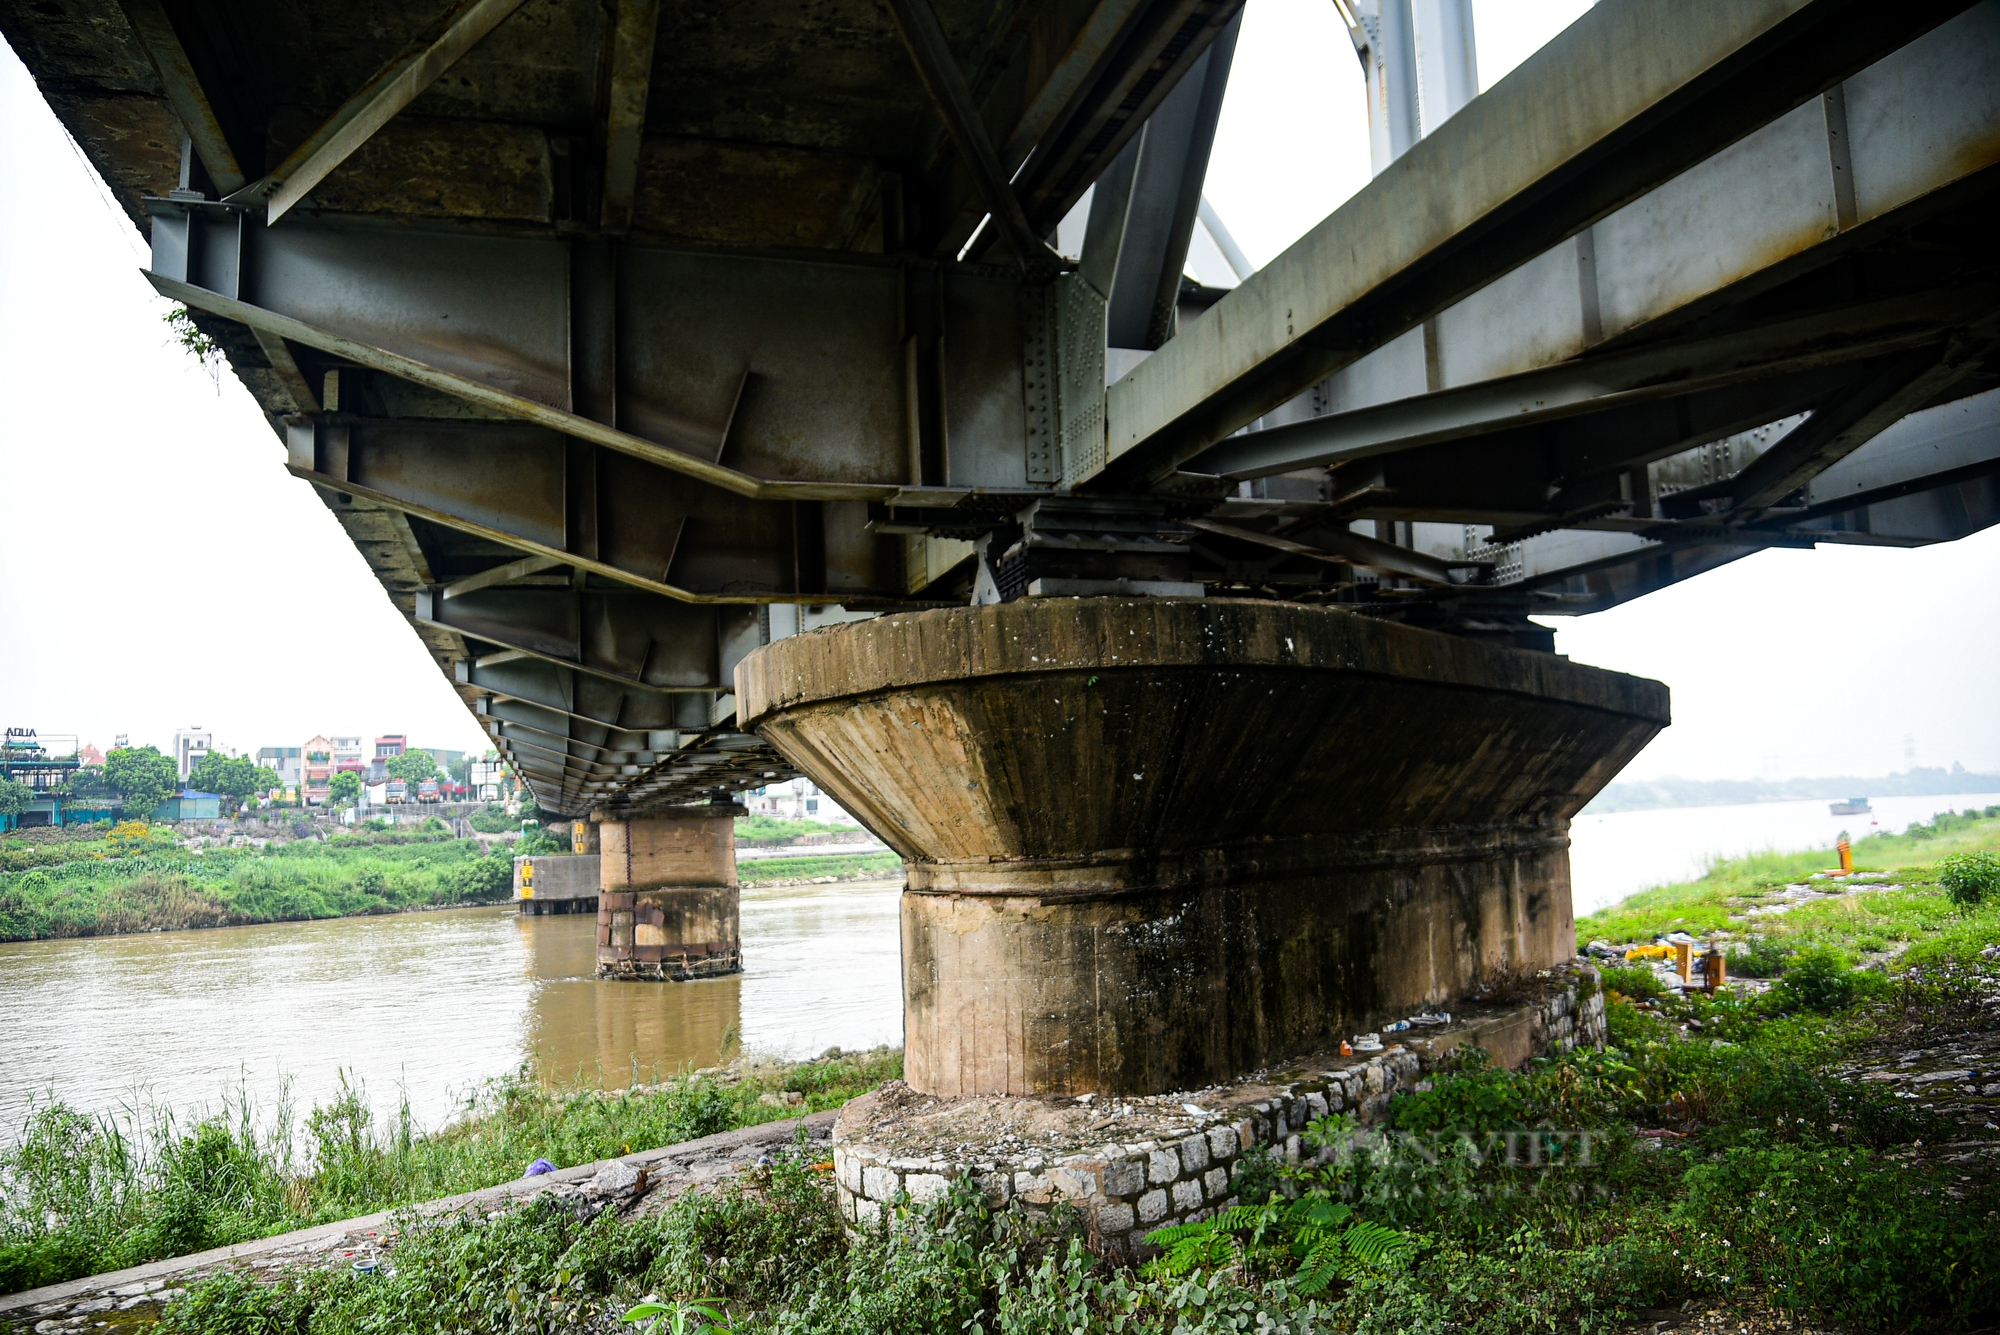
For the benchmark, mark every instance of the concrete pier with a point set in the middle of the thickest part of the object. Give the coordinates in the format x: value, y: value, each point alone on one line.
x: 1155, y: 844
x: 668, y: 906
x: 557, y: 883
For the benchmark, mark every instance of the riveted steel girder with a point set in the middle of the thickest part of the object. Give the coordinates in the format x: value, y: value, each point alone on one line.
x: 775, y: 377
x: 1626, y: 124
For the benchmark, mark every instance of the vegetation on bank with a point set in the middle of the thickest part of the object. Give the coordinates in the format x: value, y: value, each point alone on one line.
x: 1916, y: 920
x: 779, y: 830
x: 1736, y: 1162
x: 103, y: 880
x: 844, y: 867
x: 81, y: 1195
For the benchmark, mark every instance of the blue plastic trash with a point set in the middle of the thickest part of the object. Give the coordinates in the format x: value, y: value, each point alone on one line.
x: 538, y: 1167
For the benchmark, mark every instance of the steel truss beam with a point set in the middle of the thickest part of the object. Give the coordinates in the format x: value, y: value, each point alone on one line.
x: 632, y: 639
x: 1932, y: 477
x: 634, y: 39
x: 200, y: 119
x: 391, y: 88
x: 945, y: 82
x: 569, y: 502
x: 1604, y: 384
x: 1132, y: 73
x: 775, y: 377
x: 582, y: 740
x: 1627, y: 99
x: 1143, y: 213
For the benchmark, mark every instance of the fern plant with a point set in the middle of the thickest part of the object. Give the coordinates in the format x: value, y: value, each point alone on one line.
x: 1322, y: 1235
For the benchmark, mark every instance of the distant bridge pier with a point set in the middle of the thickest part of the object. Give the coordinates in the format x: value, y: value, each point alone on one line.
x: 1154, y: 844
x: 668, y: 906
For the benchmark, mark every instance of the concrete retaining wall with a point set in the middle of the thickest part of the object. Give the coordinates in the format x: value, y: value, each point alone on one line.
x: 1189, y: 1163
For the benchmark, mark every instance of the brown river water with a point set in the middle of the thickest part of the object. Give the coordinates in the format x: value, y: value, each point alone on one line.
x: 426, y: 1004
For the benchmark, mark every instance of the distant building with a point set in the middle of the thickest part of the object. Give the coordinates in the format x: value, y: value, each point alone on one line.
x: 286, y: 760
x: 121, y: 742
x: 44, y: 763
x: 191, y: 745
x: 189, y: 805
x: 386, y: 750
x: 316, y: 769
x: 445, y: 759
x: 89, y: 756
x: 488, y: 778
x: 795, y: 799
x: 348, y: 755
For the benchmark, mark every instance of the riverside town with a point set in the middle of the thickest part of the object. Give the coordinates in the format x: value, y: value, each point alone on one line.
x: 1000, y: 667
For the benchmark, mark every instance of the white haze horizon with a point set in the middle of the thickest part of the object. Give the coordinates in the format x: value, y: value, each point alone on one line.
x: 159, y: 569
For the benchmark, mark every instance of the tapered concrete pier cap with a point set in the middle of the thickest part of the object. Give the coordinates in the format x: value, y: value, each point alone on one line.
x: 1153, y: 844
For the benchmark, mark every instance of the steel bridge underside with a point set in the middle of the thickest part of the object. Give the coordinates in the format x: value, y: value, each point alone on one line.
x: 623, y: 339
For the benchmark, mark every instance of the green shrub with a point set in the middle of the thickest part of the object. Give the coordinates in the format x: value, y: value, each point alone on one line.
x: 1969, y: 877
x: 1632, y: 980
x: 1842, y: 1232
x: 481, y: 878
x: 1823, y: 979
x: 540, y: 842
x: 1760, y: 957
x: 493, y: 819
x: 1627, y: 1027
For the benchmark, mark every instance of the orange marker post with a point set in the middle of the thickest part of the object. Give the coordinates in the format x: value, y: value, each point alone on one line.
x: 1684, y: 960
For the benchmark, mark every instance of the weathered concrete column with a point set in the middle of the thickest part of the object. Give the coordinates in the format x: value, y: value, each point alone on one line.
x: 1155, y: 844
x: 668, y: 905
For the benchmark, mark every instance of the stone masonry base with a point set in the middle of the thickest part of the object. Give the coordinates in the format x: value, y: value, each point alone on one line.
x: 1131, y: 1165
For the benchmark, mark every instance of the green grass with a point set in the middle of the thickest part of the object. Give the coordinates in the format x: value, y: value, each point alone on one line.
x: 775, y: 828
x: 848, y: 867
x: 79, y: 1195
x: 1919, y: 917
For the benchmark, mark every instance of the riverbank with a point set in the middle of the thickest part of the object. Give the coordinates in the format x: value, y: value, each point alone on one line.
x: 80, y: 1195
x: 1775, y: 904
x: 812, y: 869
x: 135, y: 878
x: 108, y: 881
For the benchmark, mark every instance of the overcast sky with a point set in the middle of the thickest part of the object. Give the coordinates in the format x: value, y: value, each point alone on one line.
x: 158, y: 567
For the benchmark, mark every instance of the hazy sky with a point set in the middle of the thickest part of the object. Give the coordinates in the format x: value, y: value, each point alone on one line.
x: 159, y: 568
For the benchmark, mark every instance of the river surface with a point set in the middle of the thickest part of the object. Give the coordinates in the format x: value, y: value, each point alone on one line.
x: 427, y: 1004
x: 430, y: 1005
